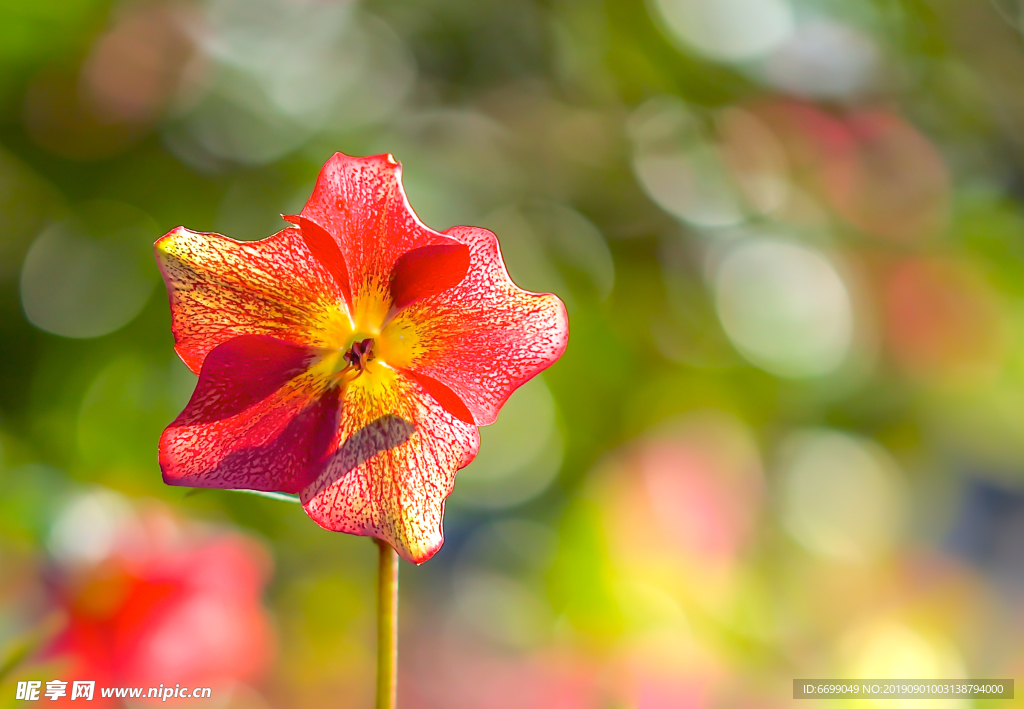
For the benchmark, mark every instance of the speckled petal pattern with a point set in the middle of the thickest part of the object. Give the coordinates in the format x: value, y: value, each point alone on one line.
x: 486, y: 336
x: 361, y: 202
x: 395, y: 463
x: 220, y: 288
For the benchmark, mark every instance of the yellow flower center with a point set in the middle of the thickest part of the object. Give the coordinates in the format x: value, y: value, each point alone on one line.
x: 367, y: 346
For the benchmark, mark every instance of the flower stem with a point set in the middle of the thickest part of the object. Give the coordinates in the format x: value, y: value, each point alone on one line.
x: 387, y: 626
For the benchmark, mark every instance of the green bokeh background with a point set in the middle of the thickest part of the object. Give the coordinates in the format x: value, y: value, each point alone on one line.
x: 709, y: 494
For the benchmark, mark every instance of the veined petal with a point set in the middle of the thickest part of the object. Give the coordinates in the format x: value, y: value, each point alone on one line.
x: 361, y: 203
x: 486, y: 336
x: 325, y: 249
x: 394, y: 465
x: 220, y: 288
x: 261, y: 418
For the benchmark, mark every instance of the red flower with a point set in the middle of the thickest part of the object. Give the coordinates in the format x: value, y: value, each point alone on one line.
x: 167, y: 606
x: 349, y: 358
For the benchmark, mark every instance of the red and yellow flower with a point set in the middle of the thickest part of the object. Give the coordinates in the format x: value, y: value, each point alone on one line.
x: 171, y: 602
x: 350, y: 357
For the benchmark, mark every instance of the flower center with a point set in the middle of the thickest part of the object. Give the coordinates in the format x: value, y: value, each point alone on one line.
x: 359, y: 355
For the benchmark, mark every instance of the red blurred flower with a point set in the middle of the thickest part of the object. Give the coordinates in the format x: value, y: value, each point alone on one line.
x: 892, y: 183
x: 873, y: 168
x: 943, y: 320
x: 688, y: 492
x: 168, y: 607
x: 349, y: 358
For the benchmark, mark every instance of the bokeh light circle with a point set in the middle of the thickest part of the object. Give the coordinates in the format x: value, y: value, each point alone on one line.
x: 842, y: 496
x: 944, y: 321
x: 756, y: 159
x: 691, y: 184
x: 887, y: 647
x: 890, y: 180
x: 678, y: 167
x: 91, y: 274
x: 520, y: 453
x: 824, y: 59
x: 87, y: 529
x: 728, y: 30
x: 784, y: 307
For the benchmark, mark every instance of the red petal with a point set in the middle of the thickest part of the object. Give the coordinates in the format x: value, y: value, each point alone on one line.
x: 220, y: 288
x: 258, y: 420
x: 427, y: 271
x: 394, y: 466
x: 485, y: 337
x: 443, y: 395
x: 323, y: 247
x: 361, y: 203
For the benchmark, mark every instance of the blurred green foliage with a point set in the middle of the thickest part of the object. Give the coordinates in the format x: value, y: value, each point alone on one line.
x: 858, y: 164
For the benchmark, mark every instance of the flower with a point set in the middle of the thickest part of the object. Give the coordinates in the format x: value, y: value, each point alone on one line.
x: 169, y: 601
x: 350, y: 357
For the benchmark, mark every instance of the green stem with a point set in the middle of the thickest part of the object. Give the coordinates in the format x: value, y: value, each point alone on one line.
x: 387, y: 626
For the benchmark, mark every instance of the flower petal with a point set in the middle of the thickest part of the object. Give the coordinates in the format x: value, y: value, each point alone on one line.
x: 442, y: 395
x: 220, y: 288
x: 259, y: 419
x: 361, y: 202
x: 394, y: 466
x: 323, y: 247
x: 486, y: 336
x: 427, y: 271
